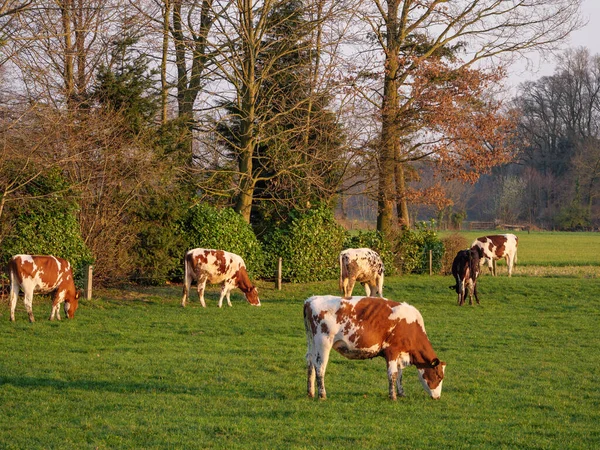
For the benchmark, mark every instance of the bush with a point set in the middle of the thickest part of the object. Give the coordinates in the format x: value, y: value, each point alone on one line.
x: 158, y: 255
x: 413, y: 246
x: 223, y: 229
x: 47, y: 233
x: 452, y: 243
x: 309, y: 244
x: 47, y: 224
x: 374, y: 240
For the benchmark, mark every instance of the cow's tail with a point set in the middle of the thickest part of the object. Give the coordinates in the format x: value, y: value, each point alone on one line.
x: 310, y: 344
x: 342, y: 290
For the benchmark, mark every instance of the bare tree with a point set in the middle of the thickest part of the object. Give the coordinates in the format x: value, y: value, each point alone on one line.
x: 412, y: 34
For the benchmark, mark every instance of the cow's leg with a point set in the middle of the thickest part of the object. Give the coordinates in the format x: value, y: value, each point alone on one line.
x: 380, y: 285
x: 392, y: 370
x: 349, y: 287
x: 28, y: 299
x: 493, y: 267
x: 311, y: 375
x: 225, y: 292
x: 201, y: 287
x: 57, y: 299
x: 475, y: 292
x: 509, y: 264
x: 187, y: 284
x: 322, y: 350
x: 368, y: 289
x: 399, y: 386
x: 14, y: 296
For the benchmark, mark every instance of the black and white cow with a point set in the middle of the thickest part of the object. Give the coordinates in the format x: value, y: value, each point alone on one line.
x: 465, y: 269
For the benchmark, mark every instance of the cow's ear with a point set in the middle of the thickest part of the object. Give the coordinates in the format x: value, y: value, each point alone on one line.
x: 435, y: 362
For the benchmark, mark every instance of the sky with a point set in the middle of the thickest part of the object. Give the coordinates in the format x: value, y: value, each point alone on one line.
x: 588, y: 36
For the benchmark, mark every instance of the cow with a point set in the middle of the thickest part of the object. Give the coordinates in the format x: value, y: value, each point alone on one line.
x: 366, y: 327
x: 465, y: 269
x: 363, y: 265
x: 44, y: 274
x: 496, y: 247
x: 214, y: 267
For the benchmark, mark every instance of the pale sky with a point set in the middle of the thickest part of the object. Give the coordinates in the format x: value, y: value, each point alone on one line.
x: 588, y: 36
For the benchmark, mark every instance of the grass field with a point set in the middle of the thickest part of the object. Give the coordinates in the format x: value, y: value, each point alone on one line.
x: 135, y: 370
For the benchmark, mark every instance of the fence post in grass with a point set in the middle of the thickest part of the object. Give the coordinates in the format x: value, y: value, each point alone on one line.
x: 430, y: 262
x: 89, y: 273
x: 279, y: 274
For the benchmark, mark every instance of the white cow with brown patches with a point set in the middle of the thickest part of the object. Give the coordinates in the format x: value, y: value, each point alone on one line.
x: 363, y: 265
x: 498, y: 246
x: 366, y: 327
x: 217, y: 267
x: 44, y: 274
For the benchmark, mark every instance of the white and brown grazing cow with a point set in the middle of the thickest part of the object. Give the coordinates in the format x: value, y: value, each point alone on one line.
x: 498, y: 246
x: 363, y: 265
x: 214, y: 267
x: 44, y: 274
x: 465, y: 269
x: 366, y: 327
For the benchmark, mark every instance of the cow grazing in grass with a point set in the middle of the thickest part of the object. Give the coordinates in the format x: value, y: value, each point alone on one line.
x: 43, y: 274
x: 366, y: 327
x: 498, y: 246
x: 465, y: 269
x: 363, y: 265
x: 214, y: 267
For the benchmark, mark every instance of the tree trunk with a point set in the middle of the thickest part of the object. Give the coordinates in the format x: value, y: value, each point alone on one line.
x: 66, y: 9
x: 163, y: 65
x: 247, y: 113
x: 389, y: 113
x: 401, y: 202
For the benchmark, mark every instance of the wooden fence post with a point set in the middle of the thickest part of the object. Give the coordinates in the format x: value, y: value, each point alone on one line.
x: 430, y: 262
x: 279, y: 270
x: 89, y: 274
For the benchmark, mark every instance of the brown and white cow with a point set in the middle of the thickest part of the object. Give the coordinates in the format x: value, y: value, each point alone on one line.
x: 465, y: 269
x: 214, y: 267
x: 498, y: 246
x: 44, y: 274
x: 363, y: 265
x: 366, y: 327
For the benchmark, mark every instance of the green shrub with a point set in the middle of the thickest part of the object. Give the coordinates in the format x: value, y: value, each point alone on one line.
x: 46, y: 233
x: 453, y: 243
x: 309, y: 244
x: 413, y: 246
x: 223, y: 229
x: 158, y: 255
x: 374, y: 240
x: 46, y: 224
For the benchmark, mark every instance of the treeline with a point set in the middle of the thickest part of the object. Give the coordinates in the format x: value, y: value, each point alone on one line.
x: 119, y: 119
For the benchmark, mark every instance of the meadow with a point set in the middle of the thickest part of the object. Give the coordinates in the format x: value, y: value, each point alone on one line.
x: 135, y: 370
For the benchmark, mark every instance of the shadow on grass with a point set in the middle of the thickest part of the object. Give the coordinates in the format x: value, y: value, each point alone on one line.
x: 126, y: 387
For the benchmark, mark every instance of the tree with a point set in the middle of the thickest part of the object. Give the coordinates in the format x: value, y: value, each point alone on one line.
x: 298, y: 158
x: 420, y: 39
x: 276, y: 138
x: 559, y: 124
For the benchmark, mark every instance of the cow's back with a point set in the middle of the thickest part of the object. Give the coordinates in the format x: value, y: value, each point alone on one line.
x: 362, y: 264
x: 40, y: 272
x: 216, y: 265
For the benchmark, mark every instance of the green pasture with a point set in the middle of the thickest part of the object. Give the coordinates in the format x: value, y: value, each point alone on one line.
x: 135, y: 370
x: 544, y: 248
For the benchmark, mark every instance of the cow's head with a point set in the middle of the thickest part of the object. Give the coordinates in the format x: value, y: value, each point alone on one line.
x: 432, y: 378
x: 72, y: 304
x: 252, y: 296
